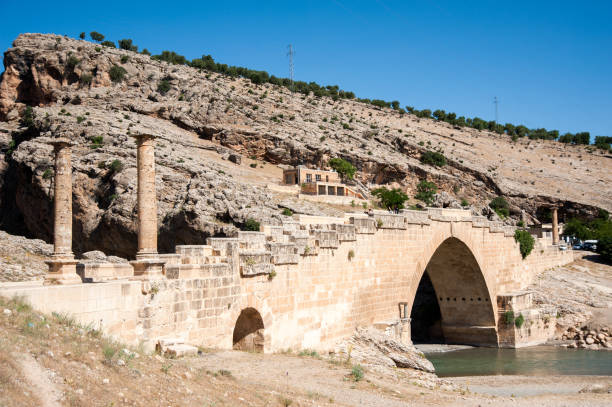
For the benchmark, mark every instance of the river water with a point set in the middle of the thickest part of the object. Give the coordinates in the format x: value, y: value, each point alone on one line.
x: 538, y: 360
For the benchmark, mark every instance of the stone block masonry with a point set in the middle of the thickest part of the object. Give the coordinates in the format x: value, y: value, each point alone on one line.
x: 353, y: 274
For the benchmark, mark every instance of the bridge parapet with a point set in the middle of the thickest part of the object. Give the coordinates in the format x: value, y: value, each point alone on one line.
x: 449, y: 214
x: 365, y: 226
x: 416, y: 217
x: 390, y: 221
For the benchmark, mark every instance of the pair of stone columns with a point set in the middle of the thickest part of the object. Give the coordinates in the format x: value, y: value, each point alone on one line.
x: 62, y: 266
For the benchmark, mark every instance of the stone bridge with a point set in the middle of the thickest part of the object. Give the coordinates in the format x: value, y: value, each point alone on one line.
x: 307, y: 283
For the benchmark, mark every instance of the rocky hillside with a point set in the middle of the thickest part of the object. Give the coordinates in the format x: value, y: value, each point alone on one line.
x: 221, y: 140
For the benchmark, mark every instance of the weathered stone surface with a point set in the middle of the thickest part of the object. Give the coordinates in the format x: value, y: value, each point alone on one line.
x: 22, y: 259
x: 372, y: 347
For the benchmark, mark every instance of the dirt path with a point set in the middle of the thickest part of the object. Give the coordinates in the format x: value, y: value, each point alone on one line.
x: 39, y: 379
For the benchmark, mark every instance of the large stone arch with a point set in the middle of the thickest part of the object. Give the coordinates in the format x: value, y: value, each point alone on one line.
x: 465, y: 290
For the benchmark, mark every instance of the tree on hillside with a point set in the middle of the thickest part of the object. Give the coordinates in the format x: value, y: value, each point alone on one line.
x: 433, y: 158
x: 604, y: 248
x: 342, y: 167
x: 392, y: 199
x: 603, y: 142
x: 426, y: 191
x: 82, y: 35
x: 96, y: 36
x: 127, y: 45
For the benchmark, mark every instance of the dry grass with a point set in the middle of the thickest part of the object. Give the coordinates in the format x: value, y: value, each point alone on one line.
x: 87, y: 370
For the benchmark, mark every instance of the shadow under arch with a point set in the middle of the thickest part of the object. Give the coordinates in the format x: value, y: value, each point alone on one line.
x: 466, y: 312
x: 249, y: 331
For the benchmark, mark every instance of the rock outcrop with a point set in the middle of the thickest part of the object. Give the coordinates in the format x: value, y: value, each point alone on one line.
x: 216, y: 135
x: 371, y: 347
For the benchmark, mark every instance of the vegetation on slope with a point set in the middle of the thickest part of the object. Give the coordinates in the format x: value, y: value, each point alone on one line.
x: 207, y: 62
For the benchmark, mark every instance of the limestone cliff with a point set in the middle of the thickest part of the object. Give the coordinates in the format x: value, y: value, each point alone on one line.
x: 205, y: 118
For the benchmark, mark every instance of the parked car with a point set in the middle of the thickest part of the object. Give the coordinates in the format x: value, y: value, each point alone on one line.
x: 577, y: 246
x: 562, y: 246
x: 590, y: 245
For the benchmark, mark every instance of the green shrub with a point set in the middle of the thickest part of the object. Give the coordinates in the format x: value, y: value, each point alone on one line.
x: 342, y: 167
x: 124, y: 59
x: 519, y: 321
x: 287, y: 212
x: 115, y: 166
x: 392, y: 199
x: 251, y: 225
x: 357, y: 373
x: 96, y: 36
x: 426, y: 191
x: 604, y: 248
x: 72, y: 62
x: 28, y: 117
x: 96, y: 142
x: 47, y: 174
x: 500, y: 206
x: 117, y: 73
x: 520, y: 224
x: 433, y: 158
x: 163, y: 87
x: 464, y: 202
x: 82, y: 35
x: 108, y: 44
x: 509, y: 317
x: 86, y: 78
x: 525, y: 241
x: 253, y: 165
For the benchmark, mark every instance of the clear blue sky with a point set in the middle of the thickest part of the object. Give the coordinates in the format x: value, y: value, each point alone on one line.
x: 548, y: 62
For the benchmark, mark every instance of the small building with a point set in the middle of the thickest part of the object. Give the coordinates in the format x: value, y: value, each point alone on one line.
x: 318, y: 182
x: 544, y: 231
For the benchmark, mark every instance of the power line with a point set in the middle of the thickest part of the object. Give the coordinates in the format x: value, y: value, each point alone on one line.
x: 290, y: 54
x: 495, y: 102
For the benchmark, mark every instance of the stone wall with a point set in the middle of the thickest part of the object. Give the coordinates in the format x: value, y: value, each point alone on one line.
x: 313, y: 281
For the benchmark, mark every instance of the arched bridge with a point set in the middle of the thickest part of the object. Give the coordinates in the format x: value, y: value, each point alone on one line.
x: 311, y: 281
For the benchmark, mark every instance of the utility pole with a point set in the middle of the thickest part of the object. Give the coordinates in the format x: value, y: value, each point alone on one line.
x: 495, y: 102
x: 290, y: 54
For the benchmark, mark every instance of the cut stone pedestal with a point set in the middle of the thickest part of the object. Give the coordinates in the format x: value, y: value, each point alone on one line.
x: 62, y: 271
x: 98, y: 272
x: 148, y: 268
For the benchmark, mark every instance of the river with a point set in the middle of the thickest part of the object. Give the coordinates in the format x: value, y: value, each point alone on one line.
x: 538, y: 360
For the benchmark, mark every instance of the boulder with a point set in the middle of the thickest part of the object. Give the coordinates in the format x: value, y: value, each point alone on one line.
x: 371, y: 346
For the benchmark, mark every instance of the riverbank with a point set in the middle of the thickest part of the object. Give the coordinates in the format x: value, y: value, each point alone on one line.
x: 540, y: 390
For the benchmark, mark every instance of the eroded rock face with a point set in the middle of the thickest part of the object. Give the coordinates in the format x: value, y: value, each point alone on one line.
x: 372, y: 347
x: 205, y: 116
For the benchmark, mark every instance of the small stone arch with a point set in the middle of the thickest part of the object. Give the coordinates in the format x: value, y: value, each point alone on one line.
x: 249, y: 331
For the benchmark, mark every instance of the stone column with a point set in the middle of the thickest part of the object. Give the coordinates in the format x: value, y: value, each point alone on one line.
x: 555, y: 227
x: 62, y: 266
x: 147, y: 262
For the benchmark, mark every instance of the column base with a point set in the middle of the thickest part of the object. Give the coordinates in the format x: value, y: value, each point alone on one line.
x: 62, y: 272
x: 148, y: 269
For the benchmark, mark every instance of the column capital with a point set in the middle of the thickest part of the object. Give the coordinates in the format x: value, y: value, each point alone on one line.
x: 143, y: 135
x: 60, y: 142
